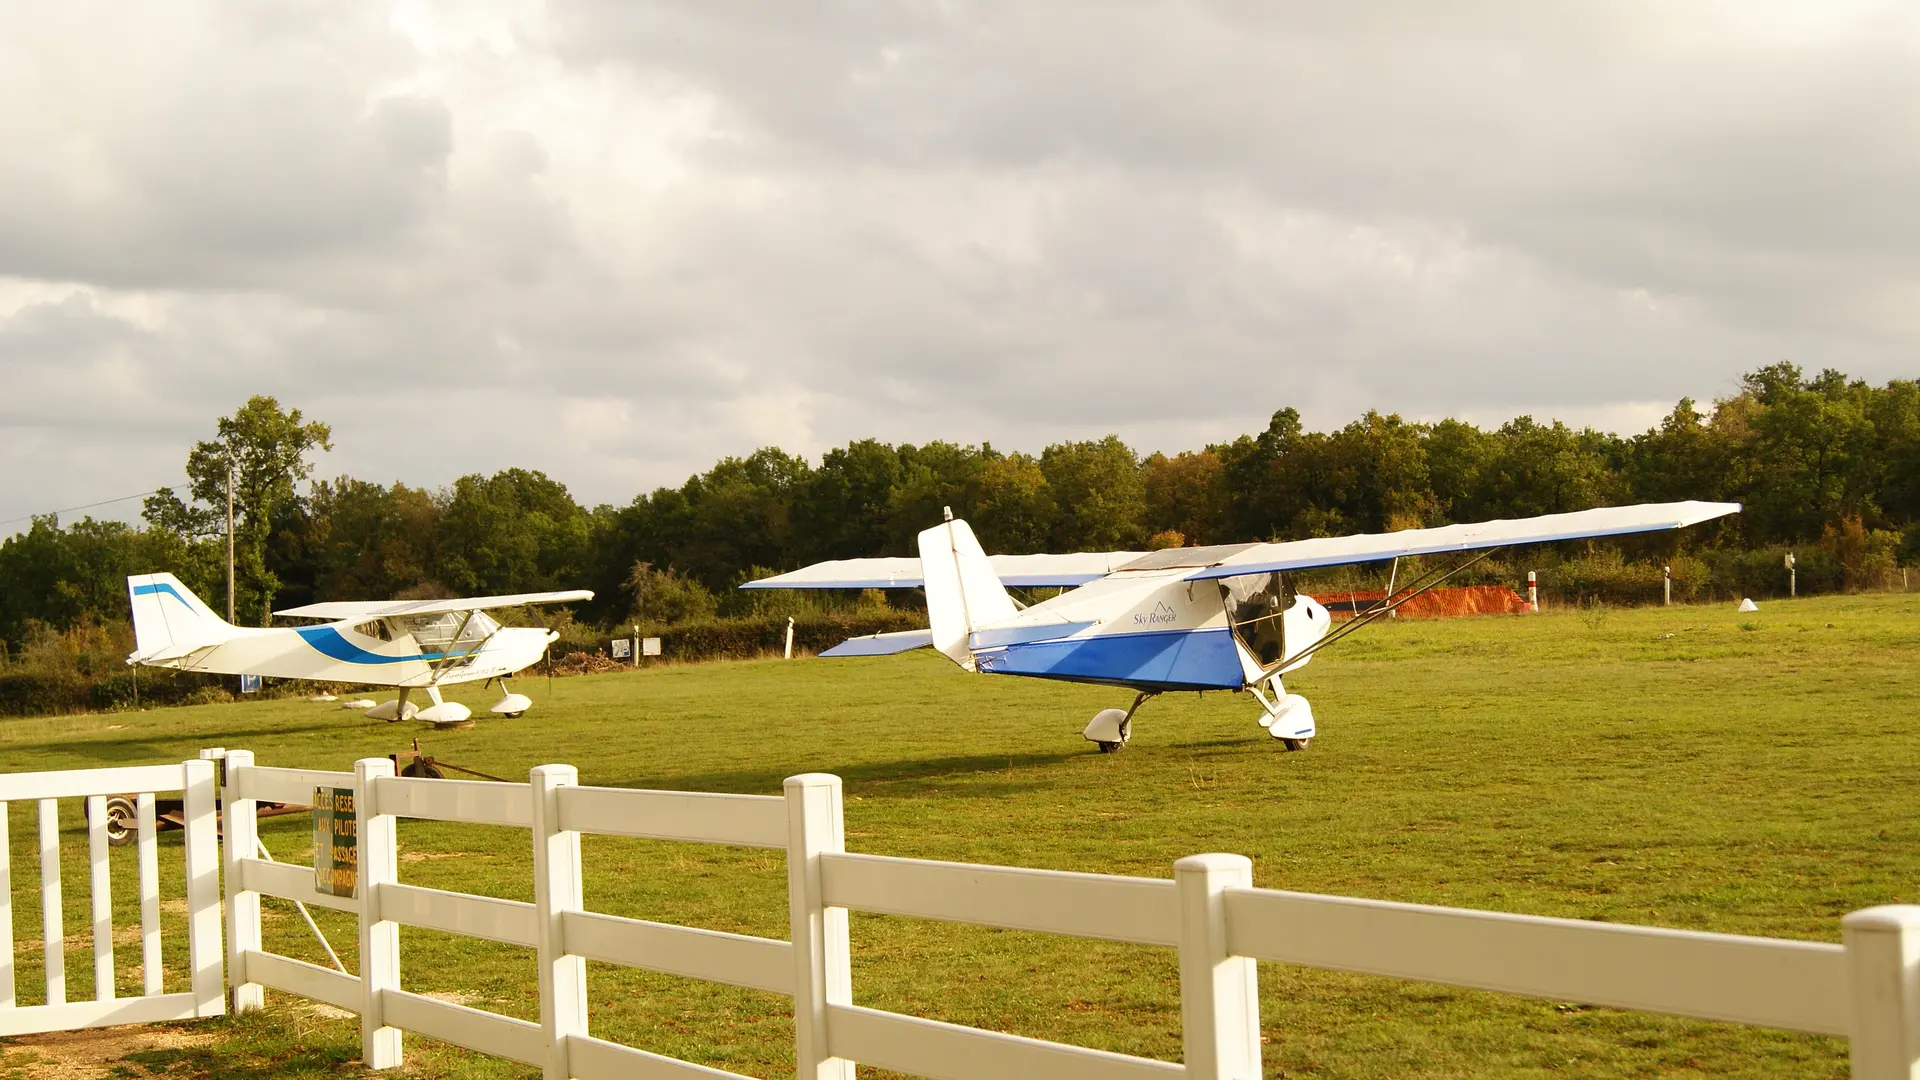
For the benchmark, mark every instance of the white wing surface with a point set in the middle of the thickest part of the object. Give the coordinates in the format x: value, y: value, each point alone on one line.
x: 1373, y: 547
x: 1023, y: 571
x: 338, y: 610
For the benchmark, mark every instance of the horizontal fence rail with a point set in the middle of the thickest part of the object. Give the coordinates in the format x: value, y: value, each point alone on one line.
x: 1796, y: 985
x: 1867, y: 989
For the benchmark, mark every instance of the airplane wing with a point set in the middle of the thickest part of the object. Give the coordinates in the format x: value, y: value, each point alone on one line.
x: 882, y: 644
x: 338, y: 610
x: 1024, y: 571
x: 1373, y: 547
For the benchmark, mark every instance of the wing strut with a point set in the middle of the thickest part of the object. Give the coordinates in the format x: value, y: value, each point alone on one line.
x: 1419, y: 586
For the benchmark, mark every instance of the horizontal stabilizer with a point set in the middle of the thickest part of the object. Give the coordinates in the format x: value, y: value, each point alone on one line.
x: 883, y: 644
x: 1023, y: 571
x: 1373, y: 547
x: 338, y: 610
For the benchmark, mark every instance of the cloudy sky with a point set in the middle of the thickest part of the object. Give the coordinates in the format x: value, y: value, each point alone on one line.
x: 616, y: 240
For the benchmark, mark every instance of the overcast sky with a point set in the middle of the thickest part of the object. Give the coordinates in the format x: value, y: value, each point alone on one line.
x: 616, y: 240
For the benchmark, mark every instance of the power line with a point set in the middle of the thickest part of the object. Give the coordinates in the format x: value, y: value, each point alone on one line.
x: 90, y: 506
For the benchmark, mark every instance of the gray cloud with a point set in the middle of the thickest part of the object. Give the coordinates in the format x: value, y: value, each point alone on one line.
x: 617, y: 240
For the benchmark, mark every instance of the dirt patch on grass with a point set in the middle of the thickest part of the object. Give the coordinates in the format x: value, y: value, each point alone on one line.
x: 91, y: 1055
x: 423, y: 856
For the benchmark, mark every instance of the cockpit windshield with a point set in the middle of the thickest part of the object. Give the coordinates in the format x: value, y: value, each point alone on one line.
x: 451, y: 631
x: 1256, y: 604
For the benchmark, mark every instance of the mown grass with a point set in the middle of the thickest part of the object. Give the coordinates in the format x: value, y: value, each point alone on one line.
x: 1684, y: 767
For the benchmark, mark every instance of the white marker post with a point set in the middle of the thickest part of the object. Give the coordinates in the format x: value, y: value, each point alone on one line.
x: 636, y: 644
x: 1793, y: 576
x: 789, y: 654
x: 1666, y: 586
x: 1533, y: 593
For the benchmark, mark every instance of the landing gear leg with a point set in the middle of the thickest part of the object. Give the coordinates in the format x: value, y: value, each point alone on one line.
x: 399, y: 707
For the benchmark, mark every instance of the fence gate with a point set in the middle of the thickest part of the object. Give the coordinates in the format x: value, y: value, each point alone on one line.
x: 138, y: 787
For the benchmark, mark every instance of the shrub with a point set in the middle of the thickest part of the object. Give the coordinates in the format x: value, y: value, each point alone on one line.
x: 209, y: 695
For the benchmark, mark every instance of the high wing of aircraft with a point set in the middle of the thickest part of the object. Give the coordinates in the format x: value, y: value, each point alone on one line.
x: 408, y: 644
x: 1224, y: 617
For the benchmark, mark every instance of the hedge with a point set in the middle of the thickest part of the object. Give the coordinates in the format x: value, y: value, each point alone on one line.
x: 758, y: 635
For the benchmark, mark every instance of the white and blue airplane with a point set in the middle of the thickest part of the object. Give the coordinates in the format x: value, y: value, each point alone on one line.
x: 408, y: 644
x: 1223, y: 617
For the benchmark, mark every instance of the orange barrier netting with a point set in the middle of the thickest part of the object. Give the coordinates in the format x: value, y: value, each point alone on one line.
x: 1438, y: 603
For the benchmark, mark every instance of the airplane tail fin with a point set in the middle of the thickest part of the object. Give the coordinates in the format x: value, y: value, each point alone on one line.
x: 169, y: 621
x: 963, y: 592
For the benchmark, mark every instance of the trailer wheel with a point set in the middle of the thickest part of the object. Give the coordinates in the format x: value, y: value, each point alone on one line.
x: 416, y: 767
x: 122, y: 821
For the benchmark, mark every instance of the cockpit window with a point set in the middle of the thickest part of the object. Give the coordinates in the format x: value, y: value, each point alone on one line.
x: 450, y: 631
x: 378, y: 629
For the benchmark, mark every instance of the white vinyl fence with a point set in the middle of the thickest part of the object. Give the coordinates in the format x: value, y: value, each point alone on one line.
x: 195, y: 780
x: 1867, y: 989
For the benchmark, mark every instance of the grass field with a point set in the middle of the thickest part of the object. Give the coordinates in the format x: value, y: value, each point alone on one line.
x: 1686, y: 767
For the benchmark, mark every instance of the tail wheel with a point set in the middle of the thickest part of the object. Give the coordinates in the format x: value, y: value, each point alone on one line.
x: 122, y: 821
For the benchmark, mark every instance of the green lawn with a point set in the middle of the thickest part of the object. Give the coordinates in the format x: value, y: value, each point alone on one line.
x: 1687, y: 767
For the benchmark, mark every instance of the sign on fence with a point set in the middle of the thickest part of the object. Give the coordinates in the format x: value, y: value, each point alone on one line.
x: 622, y: 648
x: 249, y: 684
x: 336, y: 842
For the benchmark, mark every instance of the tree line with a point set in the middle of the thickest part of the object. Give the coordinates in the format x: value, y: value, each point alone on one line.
x: 1822, y: 462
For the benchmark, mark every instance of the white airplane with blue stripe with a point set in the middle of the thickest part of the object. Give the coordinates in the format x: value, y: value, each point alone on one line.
x: 409, y: 644
x: 1224, y: 617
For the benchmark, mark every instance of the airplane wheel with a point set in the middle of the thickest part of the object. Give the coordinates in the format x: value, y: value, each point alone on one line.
x: 513, y: 715
x: 1109, y: 747
x: 122, y: 821
x: 1295, y: 744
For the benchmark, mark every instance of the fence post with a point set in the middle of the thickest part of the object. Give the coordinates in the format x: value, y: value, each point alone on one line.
x: 1883, y: 971
x: 820, y: 948
x: 557, y: 889
x: 6, y: 913
x: 379, y: 938
x: 240, y: 829
x: 1219, y: 992
x: 202, y: 813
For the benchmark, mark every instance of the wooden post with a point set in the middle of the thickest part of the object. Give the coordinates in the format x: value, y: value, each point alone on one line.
x: 100, y: 891
x: 1219, y: 992
x: 201, y: 811
x: 243, y: 906
x: 379, y: 938
x: 821, y: 951
x: 789, y: 652
x: 557, y: 889
x: 53, y: 942
x: 1883, y: 968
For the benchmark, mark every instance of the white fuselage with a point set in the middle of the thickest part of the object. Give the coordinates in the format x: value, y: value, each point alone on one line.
x: 1152, y: 629
x: 358, y: 653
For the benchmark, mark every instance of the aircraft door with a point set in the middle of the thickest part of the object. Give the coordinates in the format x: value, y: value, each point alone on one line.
x: 1256, y: 605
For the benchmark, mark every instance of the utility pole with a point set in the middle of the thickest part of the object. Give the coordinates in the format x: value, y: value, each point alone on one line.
x: 229, y: 540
